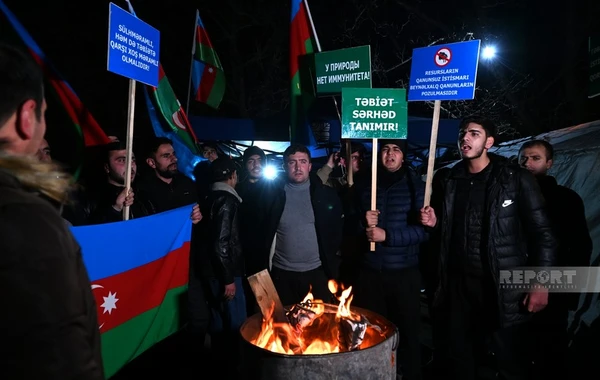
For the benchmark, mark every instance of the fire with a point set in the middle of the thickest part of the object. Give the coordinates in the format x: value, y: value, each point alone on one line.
x: 315, y: 330
x: 345, y: 299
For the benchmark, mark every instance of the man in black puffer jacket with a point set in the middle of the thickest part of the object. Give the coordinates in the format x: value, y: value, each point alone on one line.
x: 567, y: 212
x: 488, y: 216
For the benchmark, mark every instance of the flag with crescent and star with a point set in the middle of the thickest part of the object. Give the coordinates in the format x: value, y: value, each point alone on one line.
x: 138, y: 271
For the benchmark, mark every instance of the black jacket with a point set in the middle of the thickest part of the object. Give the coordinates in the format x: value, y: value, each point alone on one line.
x: 49, y: 324
x: 567, y: 213
x: 104, y: 211
x: 516, y: 228
x: 168, y: 196
x: 255, y: 198
x: 220, y: 252
x: 327, y: 207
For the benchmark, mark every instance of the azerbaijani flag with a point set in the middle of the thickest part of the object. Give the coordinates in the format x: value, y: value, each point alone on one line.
x: 208, y: 76
x: 187, y: 156
x: 302, y: 92
x: 167, y: 103
x: 137, y: 277
x: 80, y: 118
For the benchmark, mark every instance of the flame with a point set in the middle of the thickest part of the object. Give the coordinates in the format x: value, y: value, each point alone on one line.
x: 345, y: 299
x: 318, y: 337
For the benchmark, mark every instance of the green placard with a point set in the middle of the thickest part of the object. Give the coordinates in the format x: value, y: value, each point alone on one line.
x: 369, y: 113
x: 343, y: 68
x: 594, y: 87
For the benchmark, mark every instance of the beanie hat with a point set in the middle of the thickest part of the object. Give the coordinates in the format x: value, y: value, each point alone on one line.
x: 253, y: 150
x: 401, y: 143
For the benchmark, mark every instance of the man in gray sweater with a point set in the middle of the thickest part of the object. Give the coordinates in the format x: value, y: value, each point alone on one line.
x: 303, y: 231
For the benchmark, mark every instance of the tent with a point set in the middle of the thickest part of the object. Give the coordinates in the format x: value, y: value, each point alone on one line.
x: 272, y: 135
x: 219, y: 128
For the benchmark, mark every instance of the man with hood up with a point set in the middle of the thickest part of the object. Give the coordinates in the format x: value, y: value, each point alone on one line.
x: 389, y: 281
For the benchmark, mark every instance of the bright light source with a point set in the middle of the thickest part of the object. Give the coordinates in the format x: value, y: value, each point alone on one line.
x: 489, y: 52
x: 270, y: 172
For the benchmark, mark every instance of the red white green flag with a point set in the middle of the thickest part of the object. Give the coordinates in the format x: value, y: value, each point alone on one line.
x: 138, y: 278
x: 301, y: 90
x: 69, y: 121
x: 208, y: 77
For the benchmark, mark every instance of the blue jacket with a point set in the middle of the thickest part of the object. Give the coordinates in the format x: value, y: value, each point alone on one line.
x: 399, y: 204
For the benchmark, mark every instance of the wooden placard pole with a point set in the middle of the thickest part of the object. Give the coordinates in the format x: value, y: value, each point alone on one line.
x: 432, y: 151
x: 129, y: 158
x: 266, y: 295
x: 375, y: 158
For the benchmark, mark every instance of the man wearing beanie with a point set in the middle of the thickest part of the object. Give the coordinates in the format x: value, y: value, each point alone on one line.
x: 389, y: 280
x: 254, y: 160
x: 253, y: 190
x: 219, y: 260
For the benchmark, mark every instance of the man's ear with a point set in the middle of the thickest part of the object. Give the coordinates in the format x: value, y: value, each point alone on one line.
x: 26, y: 120
x: 549, y: 164
x: 106, y: 168
x: 151, y: 163
x: 489, y: 142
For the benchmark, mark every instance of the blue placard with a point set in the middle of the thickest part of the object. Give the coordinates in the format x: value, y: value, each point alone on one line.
x: 133, y: 47
x: 444, y: 72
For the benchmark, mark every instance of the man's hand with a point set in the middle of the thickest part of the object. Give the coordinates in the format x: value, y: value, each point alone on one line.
x: 229, y: 292
x: 124, y: 199
x: 376, y: 234
x: 333, y: 160
x: 196, y: 214
x: 372, y: 218
x: 428, y: 217
x: 536, y: 300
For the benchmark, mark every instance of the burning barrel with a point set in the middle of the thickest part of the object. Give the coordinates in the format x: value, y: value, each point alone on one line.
x: 320, y: 345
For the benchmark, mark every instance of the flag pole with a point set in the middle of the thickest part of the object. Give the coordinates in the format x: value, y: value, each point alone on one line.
x: 187, y: 105
x: 337, y: 108
x: 312, y: 25
x: 129, y: 142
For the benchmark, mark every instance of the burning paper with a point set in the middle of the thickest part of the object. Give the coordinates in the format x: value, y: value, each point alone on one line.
x: 318, y: 328
x: 352, y: 332
x: 301, y: 316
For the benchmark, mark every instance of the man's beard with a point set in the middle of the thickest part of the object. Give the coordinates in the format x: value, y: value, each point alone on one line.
x: 478, y: 153
x: 167, y: 173
x: 255, y: 175
x: 117, y: 178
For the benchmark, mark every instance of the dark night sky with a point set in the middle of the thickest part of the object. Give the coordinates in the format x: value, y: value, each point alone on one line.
x: 548, y: 43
